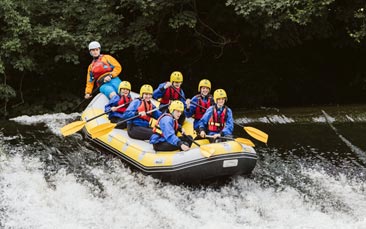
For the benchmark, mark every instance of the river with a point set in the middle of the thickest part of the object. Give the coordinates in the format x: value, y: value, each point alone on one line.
x: 310, y: 175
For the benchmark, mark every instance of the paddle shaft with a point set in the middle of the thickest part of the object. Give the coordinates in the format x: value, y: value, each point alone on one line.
x: 193, y: 141
x: 136, y: 116
x: 186, y: 99
x: 96, y: 89
x: 120, y: 106
x: 222, y: 137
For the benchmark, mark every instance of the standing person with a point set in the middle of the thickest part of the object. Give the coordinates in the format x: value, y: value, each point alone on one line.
x: 197, y: 106
x: 218, y: 119
x: 165, y: 132
x: 123, y: 98
x: 169, y: 91
x: 104, y: 70
x: 139, y: 128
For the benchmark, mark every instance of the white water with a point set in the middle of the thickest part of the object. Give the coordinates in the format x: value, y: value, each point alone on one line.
x: 132, y: 200
x: 137, y: 201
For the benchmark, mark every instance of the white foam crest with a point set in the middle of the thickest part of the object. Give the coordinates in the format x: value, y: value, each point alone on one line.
x: 282, y: 119
x: 352, y: 192
x: 245, y: 120
x: 320, y: 119
x: 53, y: 121
x: 137, y: 201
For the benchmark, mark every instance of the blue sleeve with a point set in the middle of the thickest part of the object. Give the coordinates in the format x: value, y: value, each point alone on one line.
x: 204, y: 120
x: 131, y: 109
x: 192, y: 107
x: 159, y: 92
x: 229, y: 125
x: 112, y: 103
x: 166, y: 126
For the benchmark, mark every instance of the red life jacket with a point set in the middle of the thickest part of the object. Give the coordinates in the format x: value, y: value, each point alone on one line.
x: 145, y: 106
x: 123, y: 100
x: 98, y: 67
x: 200, y: 111
x: 157, y: 128
x: 170, y: 94
x: 216, y: 123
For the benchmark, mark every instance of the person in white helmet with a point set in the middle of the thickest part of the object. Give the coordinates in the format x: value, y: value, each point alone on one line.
x: 104, y: 71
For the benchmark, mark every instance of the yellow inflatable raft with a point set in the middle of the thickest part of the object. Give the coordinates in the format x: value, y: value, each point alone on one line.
x: 205, y: 163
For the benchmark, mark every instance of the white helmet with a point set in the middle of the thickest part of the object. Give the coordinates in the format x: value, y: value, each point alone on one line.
x: 94, y: 45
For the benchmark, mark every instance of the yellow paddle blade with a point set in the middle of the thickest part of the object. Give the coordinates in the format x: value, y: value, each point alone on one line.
x: 72, y: 128
x: 257, y: 134
x: 207, y: 151
x: 102, y: 129
x: 245, y: 141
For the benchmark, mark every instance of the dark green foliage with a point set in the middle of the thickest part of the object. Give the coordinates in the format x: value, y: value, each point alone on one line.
x: 267, y: 51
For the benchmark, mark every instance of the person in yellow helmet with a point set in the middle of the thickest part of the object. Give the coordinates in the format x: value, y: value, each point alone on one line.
x: 104, y: 71
x: 139, y: 128
x: 165, y: 131
x: 218, y: 119
x: 118, y: 104
x: 169, y: 91
x: 197, y: 106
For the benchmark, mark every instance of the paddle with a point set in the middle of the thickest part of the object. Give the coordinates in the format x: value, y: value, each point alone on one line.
x: 105, y: 128
x: 186, y: 99
x: 95, y: 90
x: 255, y: 133
x: 78, y: 125
x: 206, y: 151
x: 244, y: 141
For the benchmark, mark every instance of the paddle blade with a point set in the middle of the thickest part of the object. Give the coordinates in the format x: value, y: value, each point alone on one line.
x: 72, y: 128
x: 207, y: 151
x: 245, y: 141
x: 257, y: 134
x: 102, y: 129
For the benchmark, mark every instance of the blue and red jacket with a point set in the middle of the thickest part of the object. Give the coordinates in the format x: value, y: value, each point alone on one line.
x: 135, y: 107
x: 217, y: 121
x: 116, y: 101
x: 168, y: 94
x: 197, y: 112
x: 165, y: 130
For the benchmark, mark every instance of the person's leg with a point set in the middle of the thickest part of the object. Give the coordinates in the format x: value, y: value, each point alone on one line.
x: 164, y: 146
x: 110, y: 89
x: 115, y: 83
x: 139, y: 132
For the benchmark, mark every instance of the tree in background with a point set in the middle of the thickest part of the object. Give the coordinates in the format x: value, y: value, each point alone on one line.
x: 43, y: 43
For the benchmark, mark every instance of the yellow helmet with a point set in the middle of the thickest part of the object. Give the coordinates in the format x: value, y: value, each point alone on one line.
x: 176, y: 105
x: 204, y: 83
x: 124, y: 85
x: 219, y: 94
x: 176, y: 77
x: 146, y: 88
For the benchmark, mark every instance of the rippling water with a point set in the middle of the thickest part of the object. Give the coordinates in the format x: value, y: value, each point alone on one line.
x: 311, y: 175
